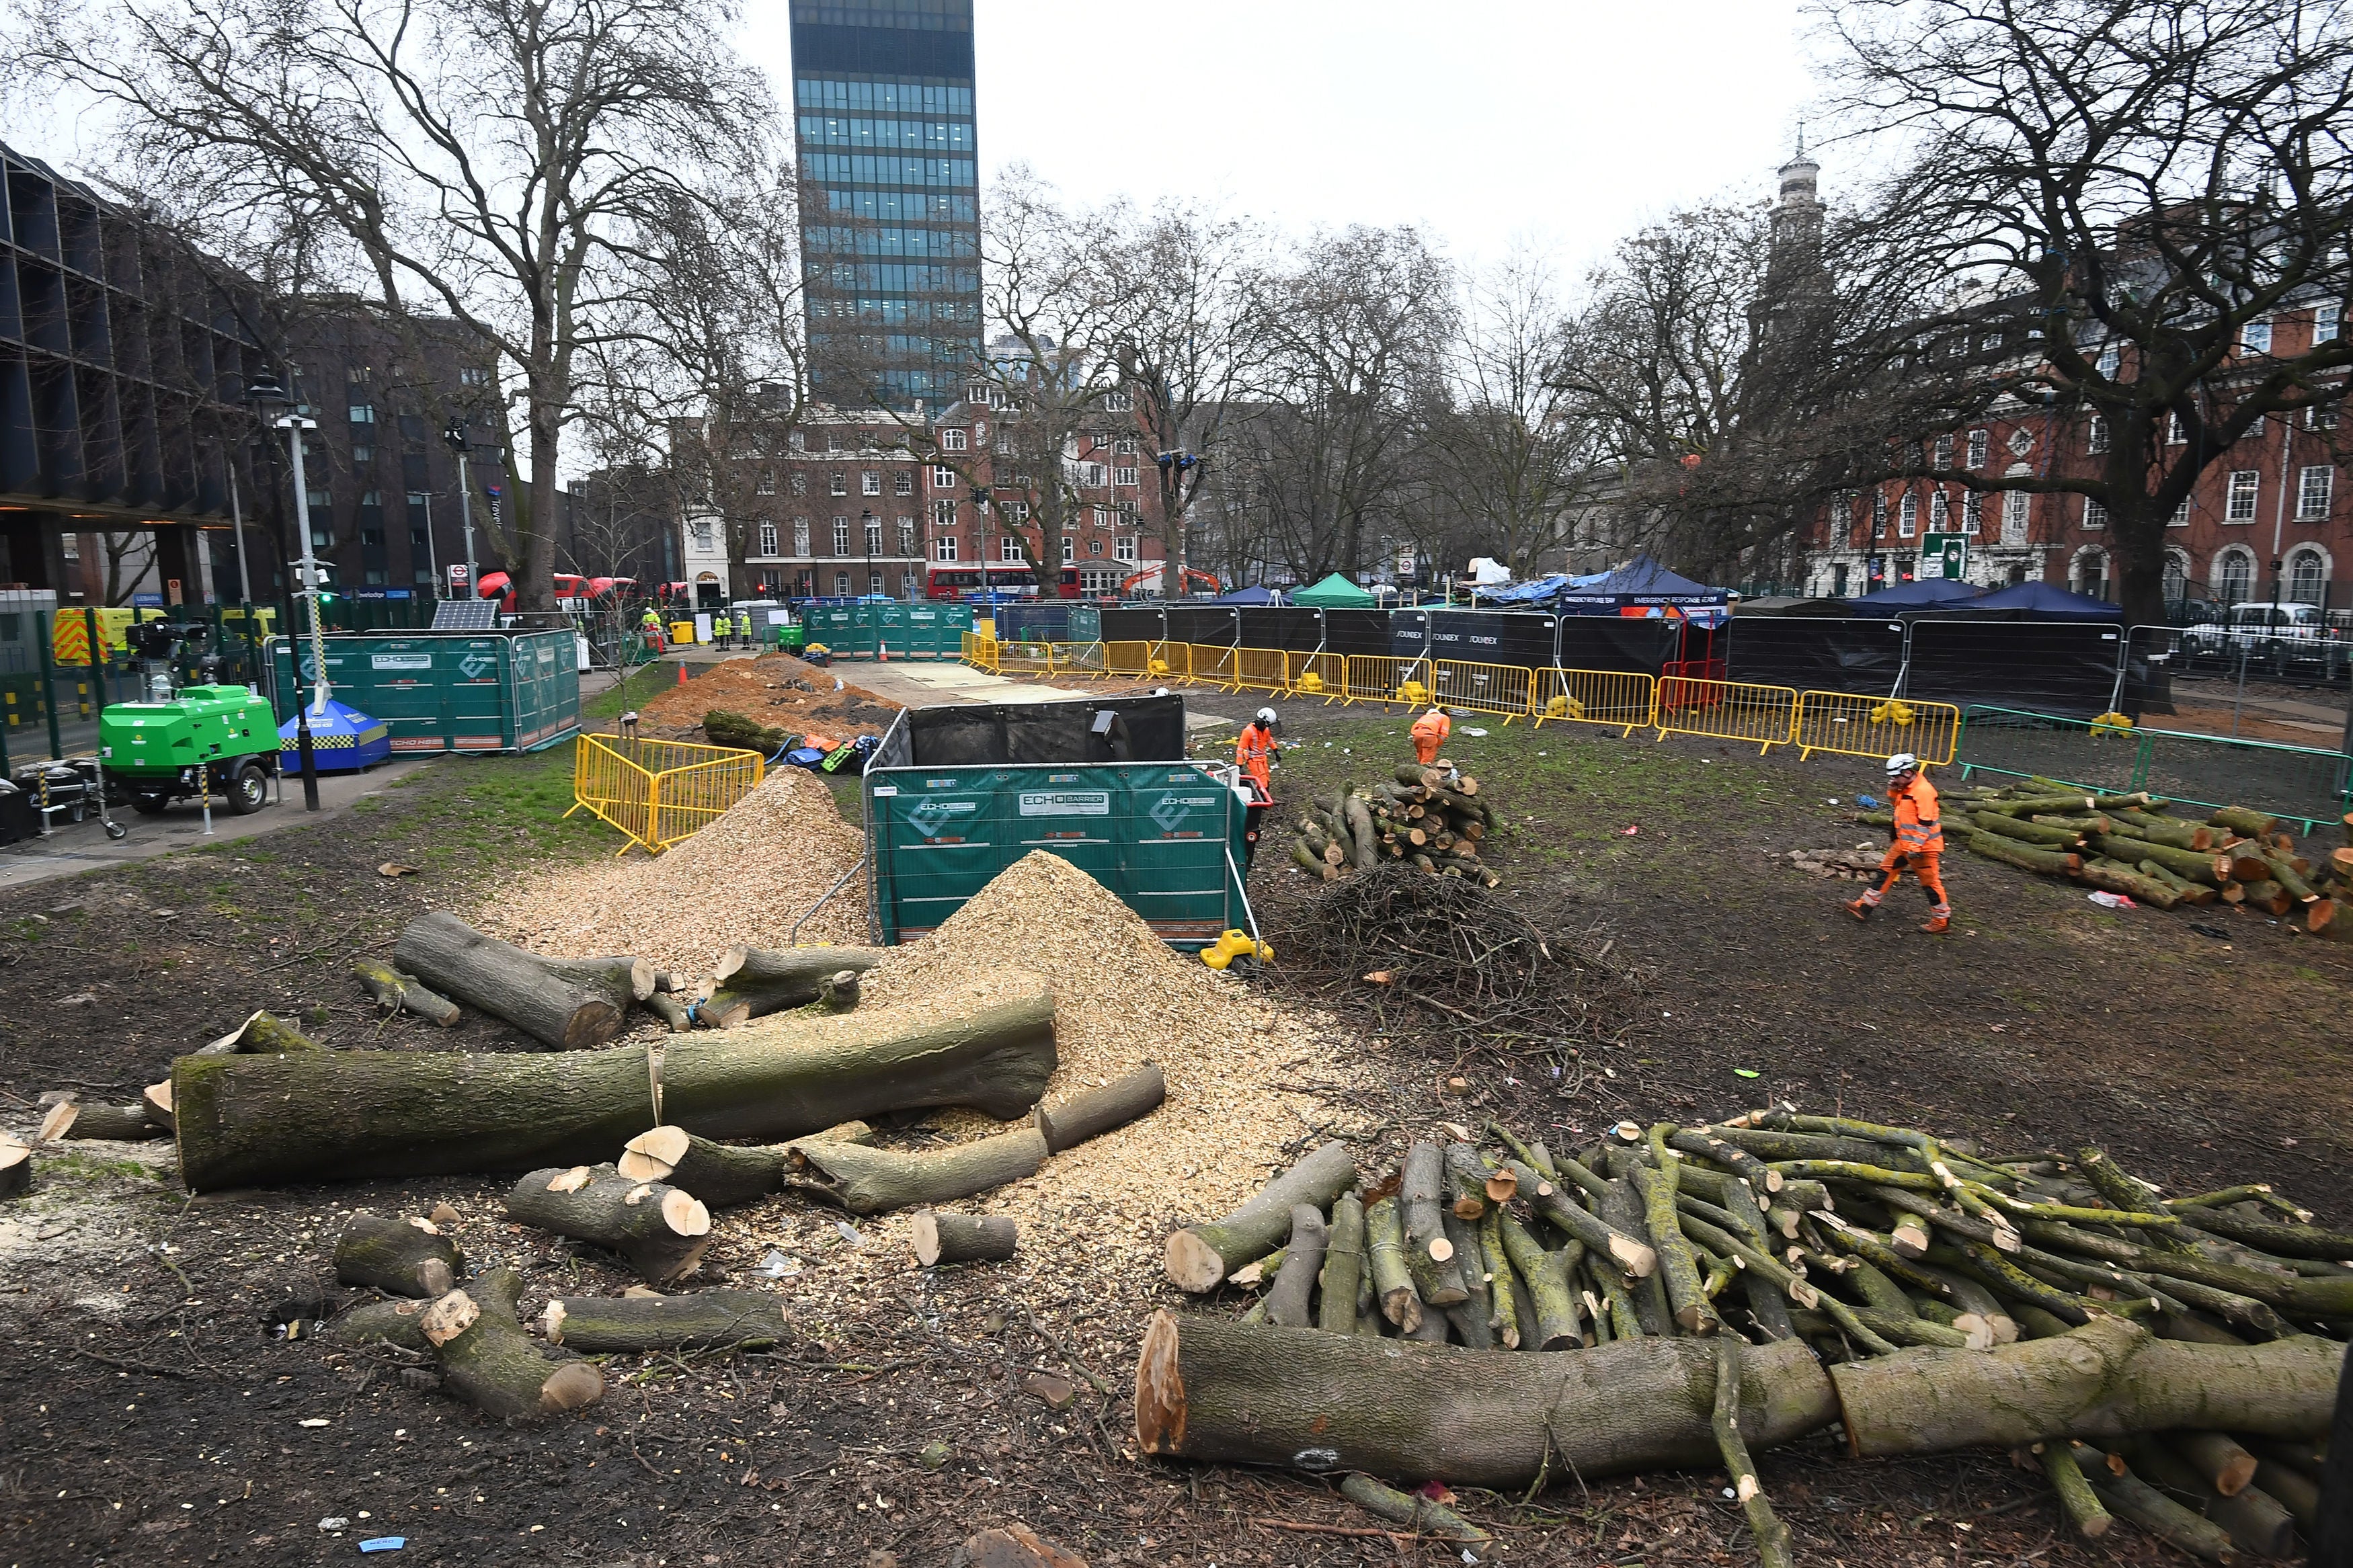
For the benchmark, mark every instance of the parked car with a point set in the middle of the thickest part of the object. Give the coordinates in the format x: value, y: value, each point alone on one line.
x: 2272, y: 633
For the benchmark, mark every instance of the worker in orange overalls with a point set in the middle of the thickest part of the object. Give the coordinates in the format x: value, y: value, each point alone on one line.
x: 1919, y: 842
x: 1430, y: 733
x: 1254, y: 752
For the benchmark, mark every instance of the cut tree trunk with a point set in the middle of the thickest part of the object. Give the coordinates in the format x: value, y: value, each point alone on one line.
x: 2247, y: 824
x: 490, y: 1363
x: 1547, y: 1276
x: 1428, y: 1251
x: 2113, y: 876
x: 1385, y: 1262
x: 569, y: 1004
x: 2168, y: 830
x: 16, y: 1166
x: 2128, y: 1496
x: 2008, y: 826
x: 671, y: 1011
x: 876, y: 1181
x: 962, y: 1237
x: 2107, y: 1378
x: 1199, y: 1256
x: 254, y: 1121
x: 1359, y: 823
x: 2184, y: 890
x: 397, y: 1322
x: 1344, y: 1266
x: 1092, y: 1112
x: 1248, y: 1394
x: 661, y: 1231
x: 1628, y: 1252
x: 155, y: 1103
x: 2211, y: 870
x: 68, y: 1119
x: 1310, y: 862
x: 722, y: 1175
x: 261, y: 1035
x: 404, y: 1257
x: 705, y: 1319
x: 394, y: 991
x: 751, y: 983
x: 1288, y: 1302
x: 2050, y: 862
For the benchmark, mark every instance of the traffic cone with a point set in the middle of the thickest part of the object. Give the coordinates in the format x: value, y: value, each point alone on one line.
x: 883, y: 649
x: 681, y: 674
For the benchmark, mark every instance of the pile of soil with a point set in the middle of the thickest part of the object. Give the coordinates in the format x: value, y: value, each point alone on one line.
x: 776, y: 689
x: 744, y: 880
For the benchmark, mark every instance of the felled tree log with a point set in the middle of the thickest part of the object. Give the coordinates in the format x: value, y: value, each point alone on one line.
x: 2008, y: 826
x: 721, y: 1175
x: 751, y: 983
x: 1428, y: 1251
x: 877, y: 1181
x: 394, y: 991
x: 1548, y: 1277
x: 2245, y: 823
x: 1417, y: 1513
x: 490, y: 1363
x: 252, y: 1120
x: 1695, y: 1314
x: 1474, y: 1317
x: 263, y: 1034
x: 671, y: 1011
x: 658, y: 1230
x: 1358, y: 820
x: 2113, y: 876
x: 569, y: 1004
x: 408, y: 1257
x: 1344, y: 1266
x: 2184, y: 890
x: 155, y: 1102
x: 2128, y: 1496
x: 1629, y: 1252
x: 69, y: 1119
x: 1287, y: 1302
x: 396, y: 1322
x: 2107, y: 1378
x: 1091, y: 1112
x: 2168, y: 830
x: 962, y: 1237
x: 16, y: 1166
x: 704, y: 1320
x: 1199, y: 1256
x: 2189, y: 865
x: 1247, y: 1393
x: 1384, y: 1263
x: 2049, y: 862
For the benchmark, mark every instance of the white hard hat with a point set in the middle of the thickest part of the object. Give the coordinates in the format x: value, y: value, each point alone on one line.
x: 1268, y: 716
x: 1902, y: 762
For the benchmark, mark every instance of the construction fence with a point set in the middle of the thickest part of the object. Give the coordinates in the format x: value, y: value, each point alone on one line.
x: 658, y: 793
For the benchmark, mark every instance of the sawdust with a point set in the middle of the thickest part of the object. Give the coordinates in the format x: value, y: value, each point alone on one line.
x: 1238, y: 1071
x: 762, y: 690
x: 742, y: 881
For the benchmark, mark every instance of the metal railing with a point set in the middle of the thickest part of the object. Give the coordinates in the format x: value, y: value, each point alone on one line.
x: 1623, y: 699
x: 1376, y: 678
x: 1763, y: 716
x: 1508, y: 690
x: 658, y: 793
x: 1857, y: 726
x: 1323, y: 675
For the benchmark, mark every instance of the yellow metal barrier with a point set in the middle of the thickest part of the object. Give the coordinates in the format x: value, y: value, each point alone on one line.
x: 1764, y: 716
x: 659, y: 792
x: 1505, y: 688
x: 1261, y: 670
x: 1025, y: 658
x: 1213, y: 664
x: 1377, y: 677
x: 1622, y: 700
x: 1079, y: 657
x: 1855, y: 726
x: 1147, y: 660
x: 981, y: 652
x: 1323, y: 675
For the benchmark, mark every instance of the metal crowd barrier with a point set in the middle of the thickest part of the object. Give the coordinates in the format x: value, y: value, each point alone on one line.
x: 1260, y: 669
x: 1855, y: 726
x: 981, y: 652
x: 1508, y: 690
x: 658, y: 793
x: 1622, y: 700
x: 1376, y: 678
x: 1323, y: 675
x: 1763, y: 716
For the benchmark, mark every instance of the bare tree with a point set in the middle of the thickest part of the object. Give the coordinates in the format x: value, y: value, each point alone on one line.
x: 478, y: 158
x: 2138, y: 208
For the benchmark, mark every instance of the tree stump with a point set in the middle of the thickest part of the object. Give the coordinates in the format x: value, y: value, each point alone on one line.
x: 962, y: 1239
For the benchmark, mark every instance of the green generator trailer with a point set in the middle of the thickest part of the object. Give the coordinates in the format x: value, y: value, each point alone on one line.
x: 221, y: 740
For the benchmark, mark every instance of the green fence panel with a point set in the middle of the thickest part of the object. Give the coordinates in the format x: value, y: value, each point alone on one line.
x: 2305, y: 784
x: 446, y: 691
x: 1086, y: 624
x: 938, y: 838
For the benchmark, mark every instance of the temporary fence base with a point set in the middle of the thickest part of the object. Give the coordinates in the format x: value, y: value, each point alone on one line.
x: 659, y: 793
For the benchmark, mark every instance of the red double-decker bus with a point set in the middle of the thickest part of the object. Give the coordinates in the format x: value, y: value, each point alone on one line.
x: 1009, y: 579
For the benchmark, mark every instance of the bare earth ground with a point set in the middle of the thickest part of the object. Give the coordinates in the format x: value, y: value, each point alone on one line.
x: 148, y: 1410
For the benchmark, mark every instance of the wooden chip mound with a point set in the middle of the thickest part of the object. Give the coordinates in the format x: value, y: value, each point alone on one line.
x: 742, y: 881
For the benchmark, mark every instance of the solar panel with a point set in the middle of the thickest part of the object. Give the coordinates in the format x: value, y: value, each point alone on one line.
x: 466, y: 615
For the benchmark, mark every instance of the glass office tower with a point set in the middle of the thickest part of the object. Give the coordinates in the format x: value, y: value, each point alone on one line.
x: 890, y: 213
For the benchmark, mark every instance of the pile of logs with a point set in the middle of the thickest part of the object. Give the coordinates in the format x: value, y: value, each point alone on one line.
x: 650, y: 1210
x: 2040, y: 1302
x: 2157, y: 852
x: 1428, y: 817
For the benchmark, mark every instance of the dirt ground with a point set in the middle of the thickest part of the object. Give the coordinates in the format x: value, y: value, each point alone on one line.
x: 775, y: 690
x: 151, y: 1405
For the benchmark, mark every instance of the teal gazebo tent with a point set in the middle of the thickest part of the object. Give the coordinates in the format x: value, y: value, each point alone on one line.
x: 1334, y: 592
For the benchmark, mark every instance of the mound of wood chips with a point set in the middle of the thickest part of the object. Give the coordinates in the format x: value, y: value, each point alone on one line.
x: 743, y: 880
x: 1236, y: 1070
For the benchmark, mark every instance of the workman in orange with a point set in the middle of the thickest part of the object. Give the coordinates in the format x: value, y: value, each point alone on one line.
x: 1919, y: 844
x: 1254, y: 752
x: 1430, y: 733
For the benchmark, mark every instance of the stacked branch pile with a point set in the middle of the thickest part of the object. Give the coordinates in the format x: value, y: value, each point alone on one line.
x: 2037, y: 1303
x: 2158, y: 852
x: 1430, y: 818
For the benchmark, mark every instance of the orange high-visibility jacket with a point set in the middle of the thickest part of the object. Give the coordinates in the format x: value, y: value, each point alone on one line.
x: 1254, y: 754
x: 1430, y: 733
x: 1918, y: 830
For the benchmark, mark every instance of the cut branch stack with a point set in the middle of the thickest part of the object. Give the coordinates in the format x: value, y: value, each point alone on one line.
x: 1430, y: 819
x: 2159, y: 853
x: 2036, y: 1298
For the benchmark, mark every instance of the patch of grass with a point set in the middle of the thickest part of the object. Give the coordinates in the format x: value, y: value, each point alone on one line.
x: 74, y: 1165
x: 643, y: 685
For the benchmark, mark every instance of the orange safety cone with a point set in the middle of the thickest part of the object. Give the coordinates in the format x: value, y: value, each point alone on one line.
x: 682, y: 674
x: 883, y: 649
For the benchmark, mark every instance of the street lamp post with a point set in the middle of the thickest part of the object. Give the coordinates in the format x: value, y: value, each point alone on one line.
x: 456, y: 435
x: 866, y: 536
x: 267, y: 393
x: 237, y: 521
x: 980, y: 495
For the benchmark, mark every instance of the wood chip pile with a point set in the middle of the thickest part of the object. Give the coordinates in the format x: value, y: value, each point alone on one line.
x: 1430, y: 819
x: 775, y: 689
x: 2165, y: 1360
x: 742, y: 881
x: 2157, y: 852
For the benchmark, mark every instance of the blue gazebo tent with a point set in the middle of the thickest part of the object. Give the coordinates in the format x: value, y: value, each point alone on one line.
x: 1644, y: 587
x: 343, y: 741
x: 1928, y: 592
x: 2042, y: 602
x: 1249, y: 596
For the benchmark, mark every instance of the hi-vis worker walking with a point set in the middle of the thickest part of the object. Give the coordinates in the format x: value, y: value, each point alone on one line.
x: 1430, y: 733
x: 649, y: 626
x: 1254, y: 752
x: 1920, y: 843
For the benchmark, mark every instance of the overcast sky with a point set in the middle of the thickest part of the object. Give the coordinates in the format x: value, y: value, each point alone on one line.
x: 1568, y: 124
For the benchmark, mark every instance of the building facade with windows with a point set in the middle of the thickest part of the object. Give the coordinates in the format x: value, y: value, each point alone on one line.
x: 982, y: 503
x: 883, y: 97
x: 836, y: 512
